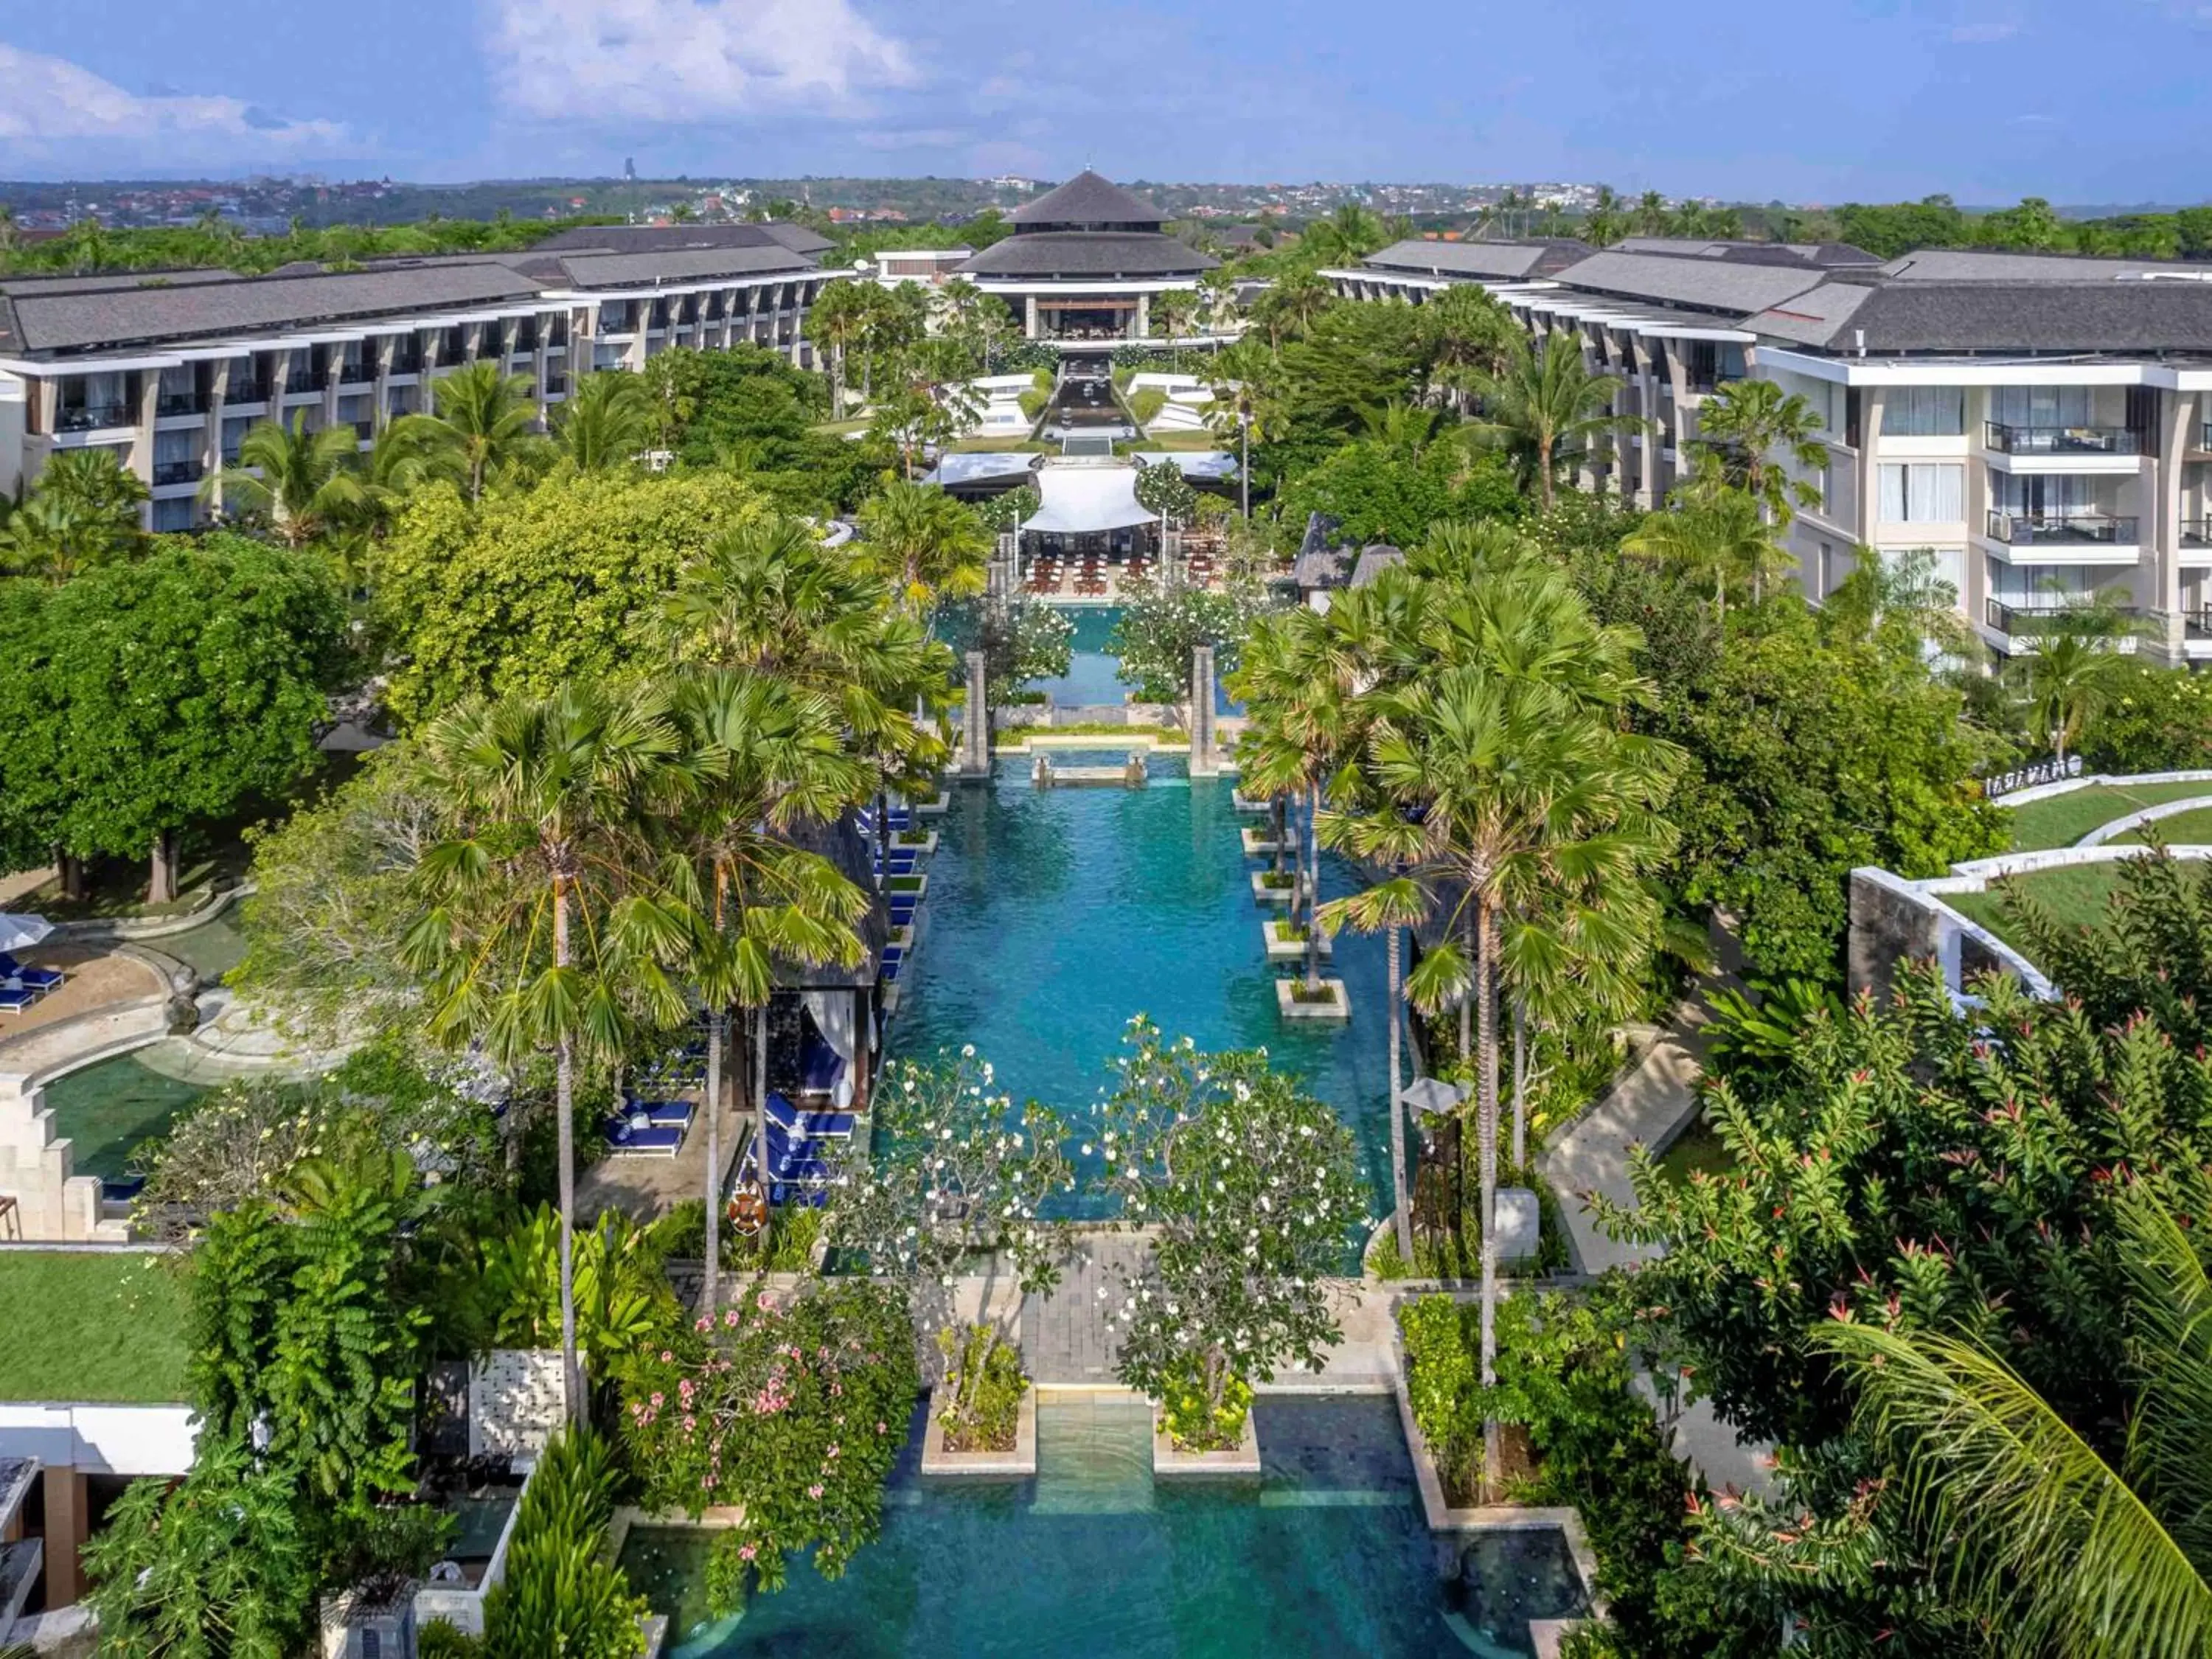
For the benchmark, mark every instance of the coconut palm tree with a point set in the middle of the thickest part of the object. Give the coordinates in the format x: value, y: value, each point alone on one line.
x: 837, y: 321
x: 308, y: 482
x: 83, y: 512
x: 765, y: 759
x: 535, y: 930
x: 2074, y: 670
x: 484, y: 419
x: 1516, y: 811
x: 608, y: 418
x: 1712, y: 532
x: 1544, y: 405
x: 1745, y: 426
x: 928, y: 542
x: 2100, y: 1547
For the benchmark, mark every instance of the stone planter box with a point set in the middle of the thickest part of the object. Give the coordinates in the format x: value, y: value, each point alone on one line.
x: 1339, y: 1005
x: 1169, y: 1464
x: 929, y: 809
x: 903, y: 937
x: 1258, y: 843
x: 916, y: 885
x: 906, y: 843
x: 1244, y: 803
x: 1020, y: 1463
x: 1290, y: 950
x: 1267, y: 895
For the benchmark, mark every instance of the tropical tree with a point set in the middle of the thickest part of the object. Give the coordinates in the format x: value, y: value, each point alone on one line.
x: 1544, y: 406
x: 308, y: 482
x: 83, y: 512
x: 1750, y: 426
x: 837, y: 321
x: 766, y: 763
x: 1516, y: 808
x: 2075, y: 671
x: 608, y: 419
x: 926, y: 541
x: 1289, y: 305
x: 1712, y: 532
x: 485, y: 422
x: 1161, y: 489
x: 519, y: 938
x: 1174, y: 310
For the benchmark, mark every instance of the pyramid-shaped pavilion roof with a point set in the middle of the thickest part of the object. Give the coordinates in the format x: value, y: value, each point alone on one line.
x: 1088, y: 200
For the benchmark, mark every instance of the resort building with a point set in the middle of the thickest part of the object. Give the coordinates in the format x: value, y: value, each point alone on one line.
x: 932, y: 267
x: 168, y: 370
x: 2041, y: 423
x: 1083, y: 264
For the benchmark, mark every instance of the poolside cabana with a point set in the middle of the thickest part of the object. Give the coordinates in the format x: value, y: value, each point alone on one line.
x: 1089, y: 515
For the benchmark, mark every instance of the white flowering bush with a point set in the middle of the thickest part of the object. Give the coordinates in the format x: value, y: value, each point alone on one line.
x: 957, y: 1178
x: 1249, y: 1188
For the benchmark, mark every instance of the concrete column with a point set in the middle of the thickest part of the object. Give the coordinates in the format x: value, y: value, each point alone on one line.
x: 142, y: 447
x: 1144, y: 316
x: 1205, y: 762
x: 2161, y: 594
x: 1030, y: 319
x: 975, y: 748
x: 68, y: 1521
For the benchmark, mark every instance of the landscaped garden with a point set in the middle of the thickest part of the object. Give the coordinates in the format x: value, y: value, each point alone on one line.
x: 2062, y: 820
x: 94, y: 1327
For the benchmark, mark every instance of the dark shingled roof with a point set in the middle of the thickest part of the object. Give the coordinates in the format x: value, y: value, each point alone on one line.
x: 110, y: 317
x: 1717, y: 285
x: 1825, y: 256
x: 1987, y: 264
x: 2043, y: 317
x: 665, y: 239
x: 1088, y: 200
x: 700, y: 265
x: 1088, y: 254
x: 1516, y: 260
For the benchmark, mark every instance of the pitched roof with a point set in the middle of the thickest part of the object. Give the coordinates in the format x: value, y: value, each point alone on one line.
x: 1088, y: 198
x: 1826, y: 256
x: 661, y: 239
x: 1088, y: 254
x: 1716, y: 285
x: 1966, y: 265
x: 1373, y: 562
x: 689, y: 265
x: 1499, y: 260
x: 2044, y: 317
x: 70, y: 321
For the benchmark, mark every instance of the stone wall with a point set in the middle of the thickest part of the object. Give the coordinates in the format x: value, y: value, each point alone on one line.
x: 53, y: 1203
x: 514, y: 1401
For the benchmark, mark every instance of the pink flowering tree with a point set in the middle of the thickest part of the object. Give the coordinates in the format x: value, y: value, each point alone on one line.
x: 955, y: 1185
x: 792, y: 1414
x: 1250, y: 1190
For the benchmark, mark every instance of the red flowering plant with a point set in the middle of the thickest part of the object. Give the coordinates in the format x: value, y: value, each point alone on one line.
x: 791, y: 1414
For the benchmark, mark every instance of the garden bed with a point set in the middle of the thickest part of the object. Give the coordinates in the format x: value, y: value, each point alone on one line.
x: 2062, y: 820
x: 1294, y: 999
x: 1266, y: 892
x: 1283, y: 945
x: 1018, y: 1460
x: 1171, y: 1462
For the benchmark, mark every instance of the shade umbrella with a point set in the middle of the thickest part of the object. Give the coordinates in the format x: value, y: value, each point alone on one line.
x: 1430, y: 1097
x: 17, y: 931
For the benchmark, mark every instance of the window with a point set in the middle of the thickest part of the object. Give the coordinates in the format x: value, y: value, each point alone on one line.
x: 1924, y: 411
x: 173, y: 514
x: 1923, y: 493
x: 2043, y: 494
x: 2041, y: 405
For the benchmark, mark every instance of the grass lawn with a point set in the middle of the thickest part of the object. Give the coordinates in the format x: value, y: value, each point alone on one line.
x: 2064, y: 819
x: 91, y: 1328
x: 1179, y: 442
x: 2191, y: 829
x: 1697, y: 1148
x: 2075, y: 896
x: 840, y: 428
x: 986, y: 445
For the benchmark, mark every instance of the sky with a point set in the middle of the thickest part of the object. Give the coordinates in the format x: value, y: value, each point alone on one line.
x: 2083, y: 102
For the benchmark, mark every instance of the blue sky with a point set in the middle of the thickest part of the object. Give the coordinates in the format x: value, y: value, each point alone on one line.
x: 2082, y: 100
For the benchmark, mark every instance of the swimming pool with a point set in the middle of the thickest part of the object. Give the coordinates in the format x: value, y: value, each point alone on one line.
x: 1054, y: 915
x: 1326, y: 1554
x: 108, y: 1108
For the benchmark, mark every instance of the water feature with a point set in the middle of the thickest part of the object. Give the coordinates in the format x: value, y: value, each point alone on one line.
x: 1326, y: 1554
x: 108, y: 1108
x: 1054, y: 915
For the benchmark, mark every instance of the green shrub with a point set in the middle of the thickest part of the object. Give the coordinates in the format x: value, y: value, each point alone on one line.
x: 1183, y: 1415
x: 1144, y: 406
x: 443, y: 1639
x: 563, y: 1592
x: 982, y: 1403
x: 1033, y: 402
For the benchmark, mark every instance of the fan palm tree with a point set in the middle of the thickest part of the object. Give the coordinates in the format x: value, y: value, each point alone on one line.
x: 484, y: 419
x: 2068, y: 1548
x: 308, y: 482
x: 1545, y: 406
x: 534, y: 931
x: 1516, y: 808
x: 608, y: 418
x: 926, y: 541
x: 766, y: 759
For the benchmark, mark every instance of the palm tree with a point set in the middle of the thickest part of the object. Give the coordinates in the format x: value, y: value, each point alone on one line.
x: 1648, y: 217
x: 1290, y: 305
x: 308, y: 482
x: 1514, y: 804
x: 484, y: 419
x: 1743, y: 426
x: 2065, y: 1548
x: 83, y: 512
x: 532, y: 932
x: 2073, y: 672
x: 931, y: 544
x: 1469, y: 335
x: 608, y: 418
x: 1712, y: 532
x: 1545, y: 406
x: 767, y: 759
x: 837, y: 321
x: 1174, y: 311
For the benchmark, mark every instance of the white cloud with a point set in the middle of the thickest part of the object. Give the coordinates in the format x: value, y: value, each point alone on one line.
x: 51, y: 102
x: 685, y: 60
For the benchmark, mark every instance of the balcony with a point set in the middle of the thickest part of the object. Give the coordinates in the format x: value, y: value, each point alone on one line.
x: 302, y: 385
x: 245, y: 391
x: 2197, y: 534
x: 364, y: 430
x: 2062, y: 530
x: 2059, y: 440
x: 2196, y: 624
x: 2029, y: 622
x: 356, y: 371
x: 90, y: 417
x: 180, y: 403
x: 177, y: 473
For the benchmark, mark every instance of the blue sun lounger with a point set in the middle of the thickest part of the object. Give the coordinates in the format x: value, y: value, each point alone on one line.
x: 40, y: 980
x: 13, y: 999
x: 624, y: 1141
x: 665, y: 1114
x: 824, y: 1125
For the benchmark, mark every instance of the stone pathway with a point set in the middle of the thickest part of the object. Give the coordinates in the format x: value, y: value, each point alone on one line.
x: 1068, y: 1337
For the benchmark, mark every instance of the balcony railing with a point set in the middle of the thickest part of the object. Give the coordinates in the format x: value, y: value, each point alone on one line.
x: 180, y: 403
x: 356, y: 371
x: 2062, y: 530
x: 177, y: 473
x: 2031, y: 621
x: 2196, y: 532
x: 364, y: 430
x: 245, y: 391
x: 2060, y: 440
x: 86, y: 417
x: 301, y: 385
x: 2196, y: 624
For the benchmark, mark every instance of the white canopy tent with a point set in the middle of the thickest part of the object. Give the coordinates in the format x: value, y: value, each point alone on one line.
x: 1084, y: 501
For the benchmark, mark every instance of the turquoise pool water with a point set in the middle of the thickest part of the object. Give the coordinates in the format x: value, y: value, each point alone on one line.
x: 1326, y: 1554
x: 1090, y: 675
x: 1054, y: 915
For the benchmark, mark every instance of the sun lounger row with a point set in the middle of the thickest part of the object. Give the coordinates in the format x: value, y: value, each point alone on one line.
x: 649, y: 1128
x: 20, y: 987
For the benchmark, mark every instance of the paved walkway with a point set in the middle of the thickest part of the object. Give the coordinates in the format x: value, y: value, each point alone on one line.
x: 1650, y: 1106
x: 1068, y: 1337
